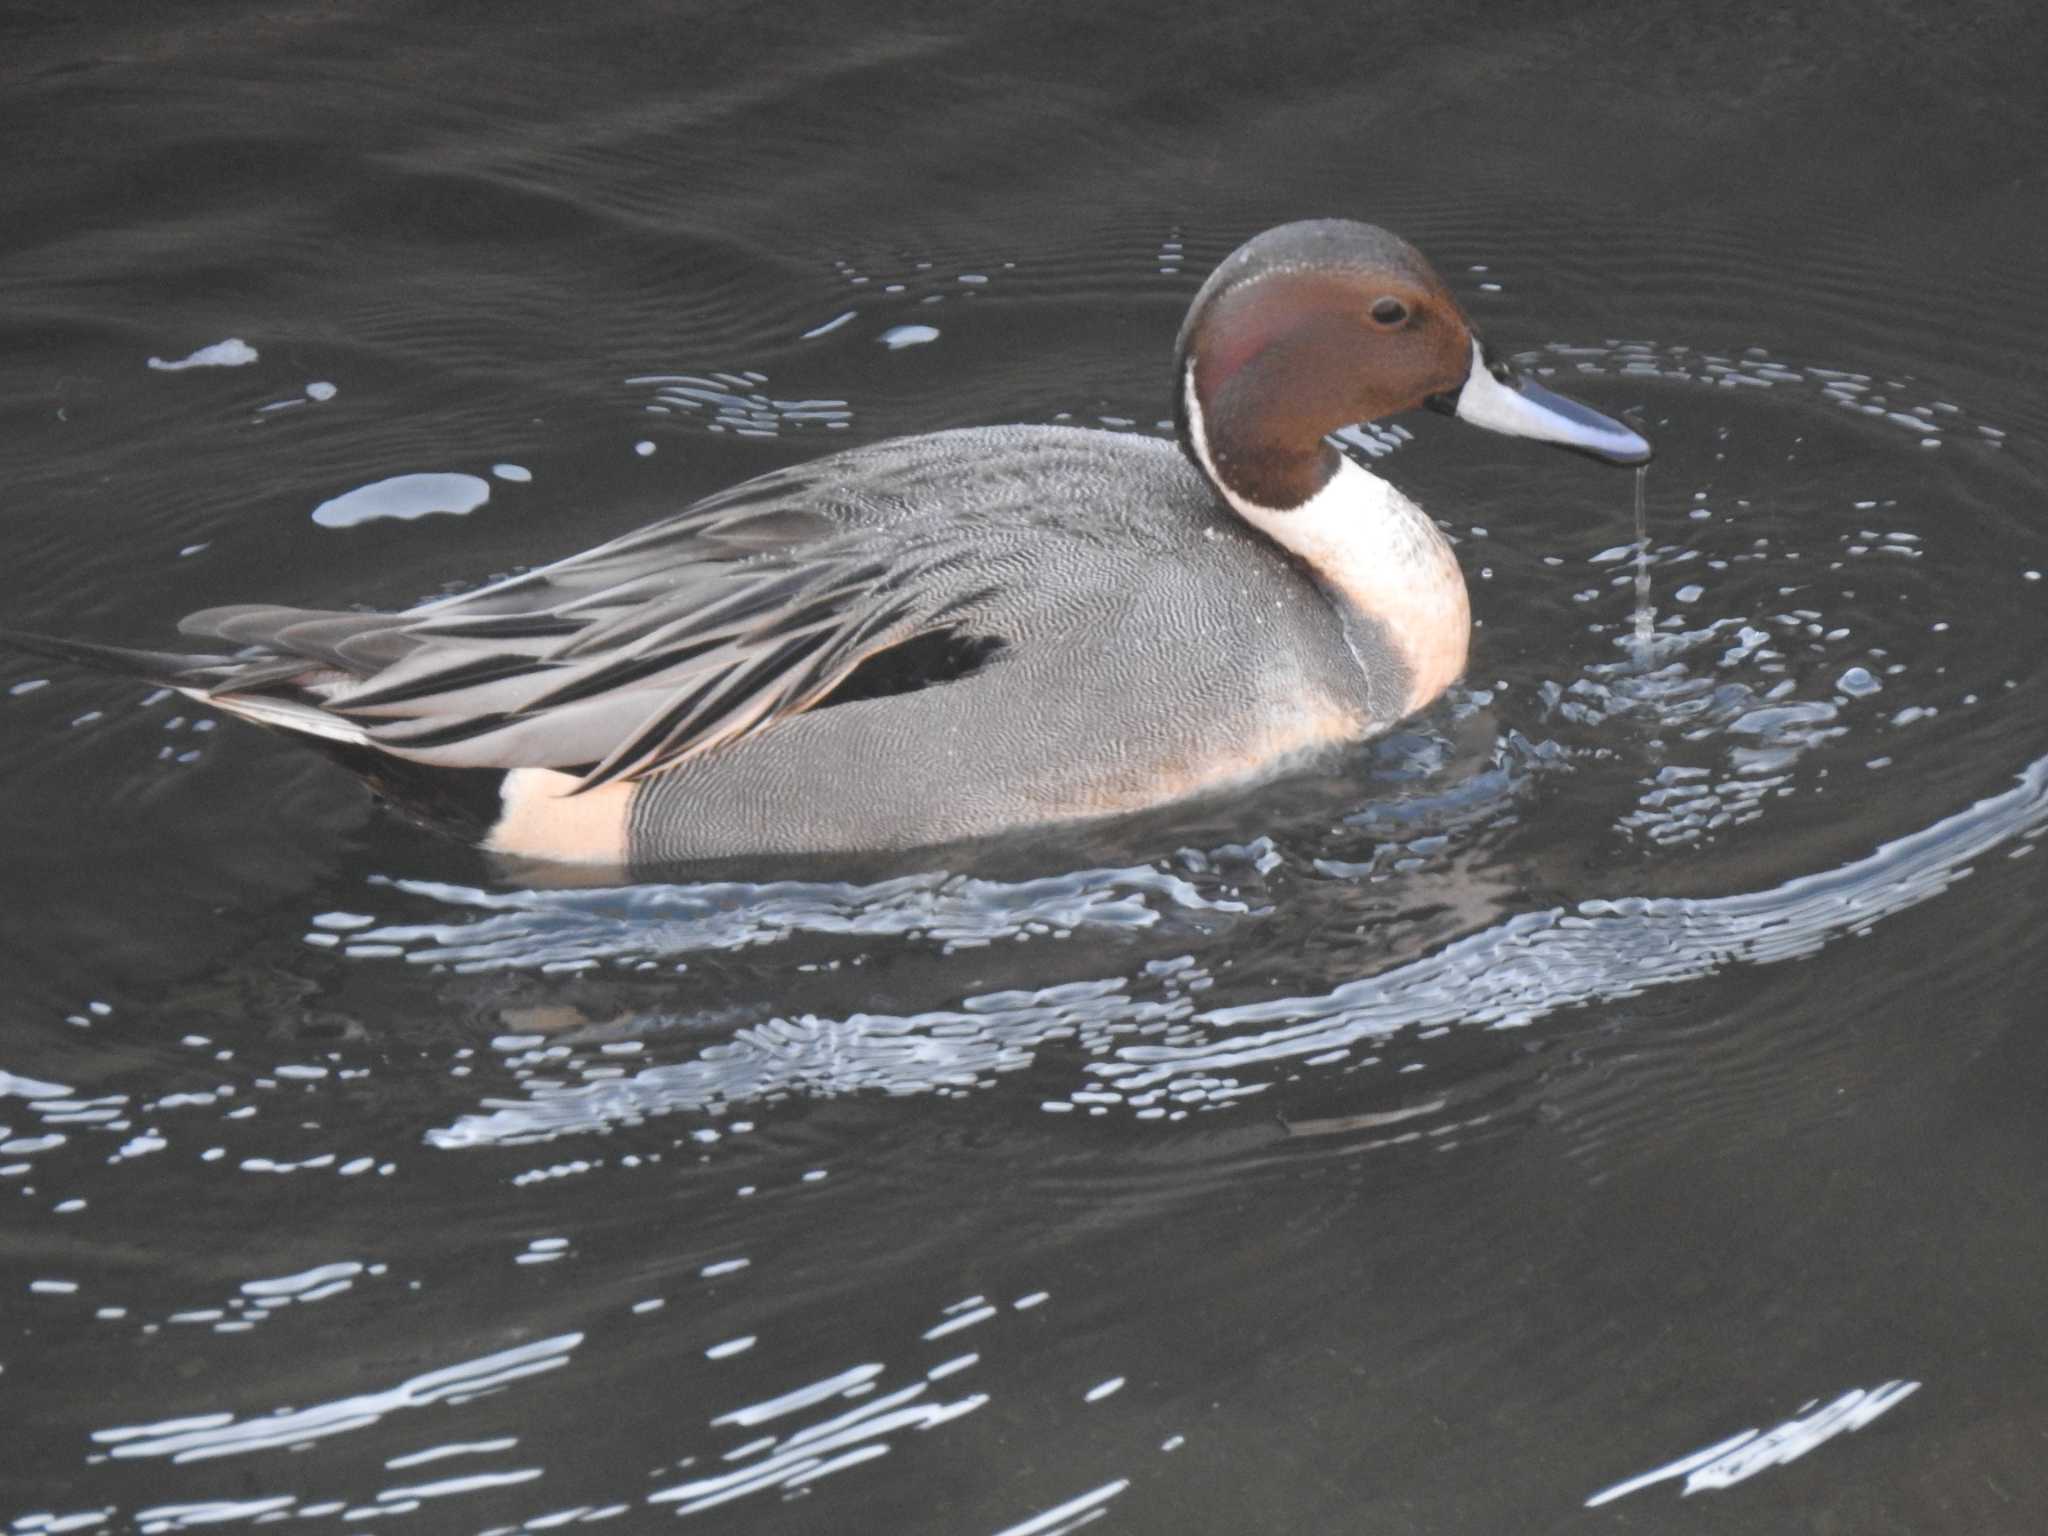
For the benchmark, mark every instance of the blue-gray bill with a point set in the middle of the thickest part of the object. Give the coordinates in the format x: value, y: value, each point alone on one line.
x: 1502, y: 401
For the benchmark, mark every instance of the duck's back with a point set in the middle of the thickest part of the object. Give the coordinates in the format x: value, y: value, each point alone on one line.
x: 1122, y: 640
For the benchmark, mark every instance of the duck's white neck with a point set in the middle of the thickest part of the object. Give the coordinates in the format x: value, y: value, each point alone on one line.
x: 1374, y: 550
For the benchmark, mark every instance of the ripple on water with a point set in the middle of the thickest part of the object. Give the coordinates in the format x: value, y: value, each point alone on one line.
x: 1603, y: 949
x: 736, y: 403
x: 1717, y: 720
x: 643, y: 925
x: 1145, y: 1047
x: 204, y: 1437
x: 841, y: 1438
x: 1781, y: 653
x: 1826, y: 590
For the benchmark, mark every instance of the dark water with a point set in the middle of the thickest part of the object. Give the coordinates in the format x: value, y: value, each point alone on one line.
x: 1622, y: 1058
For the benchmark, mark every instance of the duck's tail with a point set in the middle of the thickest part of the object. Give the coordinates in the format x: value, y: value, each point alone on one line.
x: 167, y: 669
x: 212, y: 680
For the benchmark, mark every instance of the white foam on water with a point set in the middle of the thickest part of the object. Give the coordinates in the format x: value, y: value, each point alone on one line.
x: 232, y: 353
x: 403, y: 497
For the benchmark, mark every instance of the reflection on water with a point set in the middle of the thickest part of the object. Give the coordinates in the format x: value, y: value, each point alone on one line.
x: 728, y: 402
x: 844, y: 1438
x: 207, y: 1436
x: 952, y: 1050
x: 1602, y: 1063
x: 1162, y: 1057
x: 1755, y: 737
x: 1899, y: 402
x: 559, y: 931
x: 1740, y: 1457
x: 1613, y: 948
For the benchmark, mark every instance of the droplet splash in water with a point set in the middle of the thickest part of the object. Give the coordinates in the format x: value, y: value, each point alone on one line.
x: 1646, y: 616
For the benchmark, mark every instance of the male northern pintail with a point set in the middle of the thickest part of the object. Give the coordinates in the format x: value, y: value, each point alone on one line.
x: 948, y: 635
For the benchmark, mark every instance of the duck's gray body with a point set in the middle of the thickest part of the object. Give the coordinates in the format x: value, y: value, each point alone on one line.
x: 944, y: 636
x: 1137, y: 616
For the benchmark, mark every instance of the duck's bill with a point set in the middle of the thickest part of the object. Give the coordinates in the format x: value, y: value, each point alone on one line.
x: 1506, y: 402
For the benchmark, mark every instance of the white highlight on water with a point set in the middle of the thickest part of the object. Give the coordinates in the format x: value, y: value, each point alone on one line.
x: 204, y: 1436
x: 801, y: 1398
x: 404, y: 497
x: 1741, y: 1457
x: 965, y: 1320
x: 443, y: 1452
x: 1057, y: 1518
x: 848, y: 1438
x: 232, y: 353
x: 473, y: 1482
x: 323, y: 1279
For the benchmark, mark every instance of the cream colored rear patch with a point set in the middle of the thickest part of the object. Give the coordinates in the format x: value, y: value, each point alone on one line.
x: 542, y: 820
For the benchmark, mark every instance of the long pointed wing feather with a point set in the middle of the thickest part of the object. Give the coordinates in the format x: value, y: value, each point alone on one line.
x: 620, y: 662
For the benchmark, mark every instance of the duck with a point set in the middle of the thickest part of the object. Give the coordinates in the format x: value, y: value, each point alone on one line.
x: 945, y: 636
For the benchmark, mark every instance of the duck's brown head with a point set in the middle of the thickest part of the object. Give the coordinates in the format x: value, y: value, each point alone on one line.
x: 1315, y: 326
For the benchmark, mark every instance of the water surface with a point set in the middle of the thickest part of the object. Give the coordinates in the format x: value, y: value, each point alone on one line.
x: 1605, y: 1104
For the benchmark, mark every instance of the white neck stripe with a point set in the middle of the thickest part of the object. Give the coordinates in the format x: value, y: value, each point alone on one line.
x: 1375, y: 552
x: 1350, y: 492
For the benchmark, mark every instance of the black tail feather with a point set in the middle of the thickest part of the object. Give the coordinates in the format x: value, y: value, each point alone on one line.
x: 166, y: 669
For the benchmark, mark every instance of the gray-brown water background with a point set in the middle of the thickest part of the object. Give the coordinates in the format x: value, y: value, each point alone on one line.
x: 1616, y: 1060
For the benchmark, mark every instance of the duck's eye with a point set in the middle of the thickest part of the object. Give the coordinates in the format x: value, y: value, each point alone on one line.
x: 1389, y: 311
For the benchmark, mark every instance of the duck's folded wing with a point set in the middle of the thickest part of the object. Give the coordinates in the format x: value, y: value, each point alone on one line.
x: 630, y: 658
